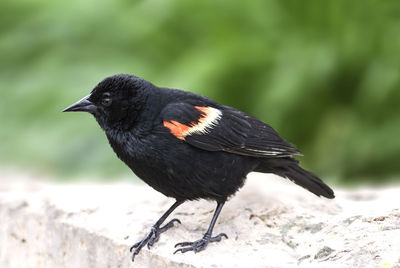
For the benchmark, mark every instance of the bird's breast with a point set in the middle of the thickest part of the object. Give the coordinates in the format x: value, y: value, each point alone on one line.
x: 179, y: 170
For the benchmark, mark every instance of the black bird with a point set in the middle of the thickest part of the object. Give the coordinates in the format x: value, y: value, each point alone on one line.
x: 189, y: 147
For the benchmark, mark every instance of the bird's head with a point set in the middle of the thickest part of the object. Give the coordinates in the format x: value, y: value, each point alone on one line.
x: 116, y: 102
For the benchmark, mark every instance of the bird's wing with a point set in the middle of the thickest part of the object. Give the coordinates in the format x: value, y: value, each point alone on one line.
x: 224, y: 129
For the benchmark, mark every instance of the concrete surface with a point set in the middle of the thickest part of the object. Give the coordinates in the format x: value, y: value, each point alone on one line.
x: 270, y: 223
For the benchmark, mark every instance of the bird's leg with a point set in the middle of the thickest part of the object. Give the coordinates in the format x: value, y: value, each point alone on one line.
x: 201, y: 244
x: 155, y: 231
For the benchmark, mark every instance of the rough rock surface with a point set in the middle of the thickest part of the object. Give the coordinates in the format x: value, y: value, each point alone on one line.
x: 270, y: 223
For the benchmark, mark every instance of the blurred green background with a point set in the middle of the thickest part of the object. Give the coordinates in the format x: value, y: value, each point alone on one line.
x: 325, y: 74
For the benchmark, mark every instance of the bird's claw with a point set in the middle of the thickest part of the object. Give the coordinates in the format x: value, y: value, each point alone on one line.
x: 198, y: 245
x: 134, y: 246
x: 152, y: 237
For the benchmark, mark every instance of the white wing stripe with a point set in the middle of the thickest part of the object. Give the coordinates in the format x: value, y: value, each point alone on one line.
x: 206, y: 123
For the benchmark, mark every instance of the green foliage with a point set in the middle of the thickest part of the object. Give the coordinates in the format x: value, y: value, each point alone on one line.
x: 325, y: 74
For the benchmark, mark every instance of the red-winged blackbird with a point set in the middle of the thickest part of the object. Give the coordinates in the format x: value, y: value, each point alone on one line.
x: 189, y: 147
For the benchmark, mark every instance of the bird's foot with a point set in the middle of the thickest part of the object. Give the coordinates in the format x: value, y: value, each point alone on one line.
x: 198, y: 245
x: 152, y: 237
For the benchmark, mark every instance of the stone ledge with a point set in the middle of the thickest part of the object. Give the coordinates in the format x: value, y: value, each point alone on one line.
x: 270, y: 223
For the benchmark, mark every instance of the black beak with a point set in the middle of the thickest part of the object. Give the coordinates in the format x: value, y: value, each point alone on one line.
x: 84, y: 105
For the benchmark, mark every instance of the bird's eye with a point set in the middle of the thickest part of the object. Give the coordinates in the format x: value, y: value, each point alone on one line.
x: 106, y: 101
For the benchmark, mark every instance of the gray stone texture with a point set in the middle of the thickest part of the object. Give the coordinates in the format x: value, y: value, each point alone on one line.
x: 270, y: 223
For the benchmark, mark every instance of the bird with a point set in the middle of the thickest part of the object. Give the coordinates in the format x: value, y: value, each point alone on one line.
x: 189, y: 147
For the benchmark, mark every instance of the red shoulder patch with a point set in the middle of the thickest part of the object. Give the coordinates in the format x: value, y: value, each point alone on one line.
x: 209, y: 118
x: 177, y: 129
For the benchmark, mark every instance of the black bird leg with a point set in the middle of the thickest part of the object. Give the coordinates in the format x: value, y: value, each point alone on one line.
x: 152, y: 237
x: 201, y: 244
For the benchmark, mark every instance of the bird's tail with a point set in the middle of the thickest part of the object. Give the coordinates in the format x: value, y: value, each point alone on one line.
x: 288, y: 167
